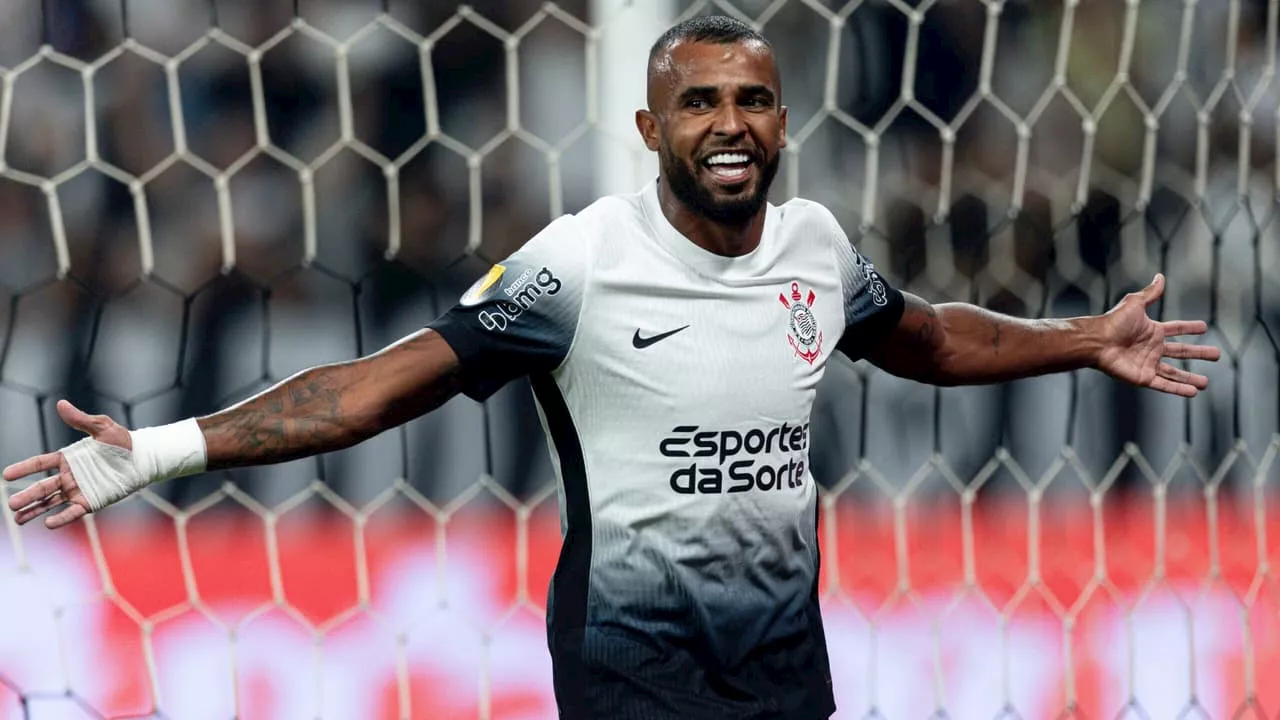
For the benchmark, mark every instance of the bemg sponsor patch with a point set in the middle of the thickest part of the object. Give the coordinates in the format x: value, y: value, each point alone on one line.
x: 523, y: 297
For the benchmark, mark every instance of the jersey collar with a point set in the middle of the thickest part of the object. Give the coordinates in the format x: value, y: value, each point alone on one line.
x: 747, y: 267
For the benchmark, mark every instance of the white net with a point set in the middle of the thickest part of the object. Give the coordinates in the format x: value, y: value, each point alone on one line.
x: 199, y: 198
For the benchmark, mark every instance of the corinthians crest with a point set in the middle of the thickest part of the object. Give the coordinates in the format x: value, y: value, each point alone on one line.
x: 803, y: 334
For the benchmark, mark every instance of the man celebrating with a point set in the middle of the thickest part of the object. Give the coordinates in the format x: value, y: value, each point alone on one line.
x: 674, y: 339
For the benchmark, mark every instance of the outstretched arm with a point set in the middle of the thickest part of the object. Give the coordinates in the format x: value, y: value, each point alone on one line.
x: 331, y: 407
x: 325, y: 408
x: 519, y: 318
x: 961, y: 344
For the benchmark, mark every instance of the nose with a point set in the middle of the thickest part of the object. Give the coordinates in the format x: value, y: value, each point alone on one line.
x: 729, y: 121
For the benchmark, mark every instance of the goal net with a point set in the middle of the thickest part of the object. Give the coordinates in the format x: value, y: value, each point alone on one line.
x: 199, y: 198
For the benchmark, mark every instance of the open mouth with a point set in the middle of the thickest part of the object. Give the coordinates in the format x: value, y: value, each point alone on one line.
x: 729, y: 167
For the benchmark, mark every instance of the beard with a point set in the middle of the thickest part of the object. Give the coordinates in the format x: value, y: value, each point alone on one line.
x: 683, y: 181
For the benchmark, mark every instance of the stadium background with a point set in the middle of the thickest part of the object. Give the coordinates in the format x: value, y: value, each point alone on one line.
x: 175, y: 234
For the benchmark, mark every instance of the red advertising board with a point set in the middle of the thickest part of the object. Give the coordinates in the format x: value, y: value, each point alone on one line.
x: 1159, y: 610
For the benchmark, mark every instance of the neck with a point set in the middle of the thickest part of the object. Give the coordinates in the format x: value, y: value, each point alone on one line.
x: 729, y: 240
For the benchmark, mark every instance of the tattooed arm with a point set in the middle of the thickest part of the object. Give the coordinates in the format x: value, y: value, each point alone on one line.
x: 961, y: 344
x: 331, y: 407
x: 326, y: 408
x: 474, y: 348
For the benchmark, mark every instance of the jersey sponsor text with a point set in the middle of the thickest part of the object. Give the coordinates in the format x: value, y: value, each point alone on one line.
x: 522, y: 298
x: 735, y: 461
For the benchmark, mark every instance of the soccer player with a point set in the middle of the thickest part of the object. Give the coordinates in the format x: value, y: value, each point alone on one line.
x: 674, y: 339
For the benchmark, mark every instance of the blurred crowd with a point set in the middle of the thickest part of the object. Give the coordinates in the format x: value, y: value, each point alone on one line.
x: 982, y: 221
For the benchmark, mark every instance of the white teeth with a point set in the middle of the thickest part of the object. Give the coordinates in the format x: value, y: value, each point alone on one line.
x: 728, y: 159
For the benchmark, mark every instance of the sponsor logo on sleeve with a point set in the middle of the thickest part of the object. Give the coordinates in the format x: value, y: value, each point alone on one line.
x: 875, y: 284
x: 522, y: 294
x: 878, y: 294
x: 803, y: 332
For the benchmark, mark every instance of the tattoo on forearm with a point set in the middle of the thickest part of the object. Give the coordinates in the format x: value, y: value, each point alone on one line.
x: 328, y: 407
x: 995, y: 340
x: 286, y: 422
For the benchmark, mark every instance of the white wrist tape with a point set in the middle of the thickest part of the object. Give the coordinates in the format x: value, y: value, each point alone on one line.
x: 107, y: 474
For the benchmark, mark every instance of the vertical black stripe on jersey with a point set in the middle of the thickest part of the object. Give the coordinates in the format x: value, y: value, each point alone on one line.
x: 567, y: 611
x: 820, y: 634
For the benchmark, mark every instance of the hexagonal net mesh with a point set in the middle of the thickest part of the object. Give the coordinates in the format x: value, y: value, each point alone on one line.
x: 200, y: 198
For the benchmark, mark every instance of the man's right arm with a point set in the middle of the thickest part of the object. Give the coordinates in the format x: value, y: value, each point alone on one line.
x: 518, y: 319
x: 331, y: 407
x: 325, y: 408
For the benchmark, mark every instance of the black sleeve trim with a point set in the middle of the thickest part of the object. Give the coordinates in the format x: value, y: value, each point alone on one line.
x: 862, y: 339
x: 485, y: 367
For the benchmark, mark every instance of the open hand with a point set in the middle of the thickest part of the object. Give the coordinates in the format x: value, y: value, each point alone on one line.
x: 61, y: 489
x: 1136, y: 346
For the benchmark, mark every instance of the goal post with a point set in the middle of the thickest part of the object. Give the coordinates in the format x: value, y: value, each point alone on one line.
x: 626, y: 30
x: 199, y: 198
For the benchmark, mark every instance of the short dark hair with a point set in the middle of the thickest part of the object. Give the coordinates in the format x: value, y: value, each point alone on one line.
x: 720, y: 29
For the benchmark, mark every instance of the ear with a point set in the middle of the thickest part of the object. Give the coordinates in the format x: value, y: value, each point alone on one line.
x: 647, y: 124
x: 782, y: 127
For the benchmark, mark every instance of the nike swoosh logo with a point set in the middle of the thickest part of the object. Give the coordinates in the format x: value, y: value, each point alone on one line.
x: 641, y: 343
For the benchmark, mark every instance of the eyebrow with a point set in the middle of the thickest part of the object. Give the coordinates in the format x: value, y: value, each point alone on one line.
x: 698, y: 91
x: 757, y: 90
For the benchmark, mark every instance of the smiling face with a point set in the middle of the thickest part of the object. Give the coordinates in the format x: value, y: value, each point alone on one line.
x: 716, y: 121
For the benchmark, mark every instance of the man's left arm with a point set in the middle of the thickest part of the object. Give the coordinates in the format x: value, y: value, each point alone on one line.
x: 962, y: 344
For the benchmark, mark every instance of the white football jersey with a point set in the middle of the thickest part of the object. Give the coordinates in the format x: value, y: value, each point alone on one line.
x: 675, y: 387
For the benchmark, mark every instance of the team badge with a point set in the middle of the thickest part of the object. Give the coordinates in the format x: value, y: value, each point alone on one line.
x: 803, y: 333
